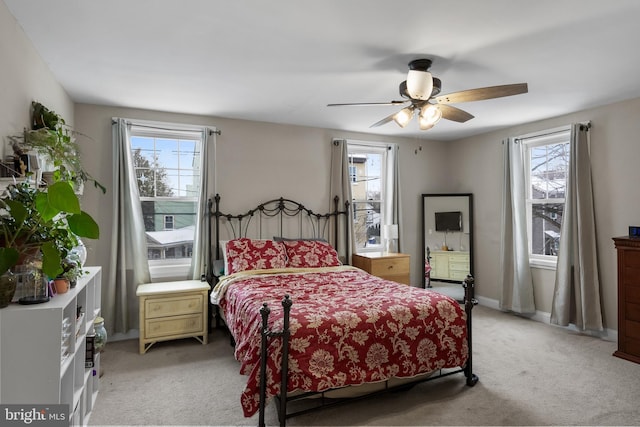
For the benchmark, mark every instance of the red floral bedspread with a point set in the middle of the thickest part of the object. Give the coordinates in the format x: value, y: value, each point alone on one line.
x: 347, y: 328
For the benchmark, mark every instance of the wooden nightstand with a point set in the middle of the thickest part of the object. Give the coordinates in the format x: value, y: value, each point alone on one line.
x: 172, y: 310
x: 390, y: 266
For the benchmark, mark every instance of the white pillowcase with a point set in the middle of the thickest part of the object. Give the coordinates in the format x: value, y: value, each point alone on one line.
x: 223, y: 248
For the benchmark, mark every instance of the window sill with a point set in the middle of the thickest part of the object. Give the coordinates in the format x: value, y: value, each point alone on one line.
x: 172, y: 271
x: 543, y: 264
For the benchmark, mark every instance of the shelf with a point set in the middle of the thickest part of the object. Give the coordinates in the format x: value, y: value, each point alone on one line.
x: 33, y: 368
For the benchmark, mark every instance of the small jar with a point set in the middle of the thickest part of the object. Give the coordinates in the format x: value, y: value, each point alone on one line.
x: 101, y: 334
x: 7, y: 288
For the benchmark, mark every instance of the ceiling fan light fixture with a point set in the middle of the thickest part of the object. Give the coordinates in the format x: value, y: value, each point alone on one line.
x: 419, y: 84
x: 429, y: 116
x: 403, y: 117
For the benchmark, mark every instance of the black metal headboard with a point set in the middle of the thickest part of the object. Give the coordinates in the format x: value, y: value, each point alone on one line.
x: 276, y: 218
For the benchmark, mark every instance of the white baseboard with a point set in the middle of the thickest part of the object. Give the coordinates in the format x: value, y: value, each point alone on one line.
x: 544, y: 317
x: 131, y: 335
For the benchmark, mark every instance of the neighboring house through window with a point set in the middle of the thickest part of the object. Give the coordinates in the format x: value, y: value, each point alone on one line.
x: 367, y: 168
x: 168, y: 222
x: 167, y: 167
x: 546, y: 166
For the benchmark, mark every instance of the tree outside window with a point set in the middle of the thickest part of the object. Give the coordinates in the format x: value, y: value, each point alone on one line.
x: 548, y: 163
x: 366, y: 168
x: 168, y: 178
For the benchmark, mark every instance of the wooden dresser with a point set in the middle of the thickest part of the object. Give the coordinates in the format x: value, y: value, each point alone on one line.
x: 390, y: 266
x: 628, y: 298
x: 172, y: 310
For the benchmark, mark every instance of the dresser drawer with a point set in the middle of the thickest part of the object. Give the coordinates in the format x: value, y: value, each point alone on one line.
x: 632, y: 312
x: 173, y: 305
x: 458, y: 274
x: 178, y: 325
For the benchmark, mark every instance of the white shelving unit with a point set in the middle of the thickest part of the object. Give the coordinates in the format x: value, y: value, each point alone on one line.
x: 43, y: 349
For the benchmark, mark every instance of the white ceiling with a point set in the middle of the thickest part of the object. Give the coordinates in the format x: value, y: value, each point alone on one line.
x: 283, y: 61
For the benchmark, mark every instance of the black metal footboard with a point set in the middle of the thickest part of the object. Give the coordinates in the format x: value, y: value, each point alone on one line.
x: 471, y: 379
x: 266, y: 334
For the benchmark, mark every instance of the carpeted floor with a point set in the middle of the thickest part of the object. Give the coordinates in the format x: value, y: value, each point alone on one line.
x: 530, y: 374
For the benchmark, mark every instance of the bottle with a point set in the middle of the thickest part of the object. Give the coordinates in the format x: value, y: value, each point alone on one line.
x: 101, y: 334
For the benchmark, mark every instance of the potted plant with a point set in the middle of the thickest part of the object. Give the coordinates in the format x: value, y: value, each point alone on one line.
x: 72, y: 269
x: 55, y: 141
x: 48, y: 221
x: 45, y: 223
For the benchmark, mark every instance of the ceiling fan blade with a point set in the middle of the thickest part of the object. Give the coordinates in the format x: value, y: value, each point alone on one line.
x: 482, y: 93
x: 450, y: 112
x: 367, y: 104
x: 383, y: 121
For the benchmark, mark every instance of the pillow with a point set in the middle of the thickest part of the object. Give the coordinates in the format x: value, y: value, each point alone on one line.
x: 223, y: 250
x: 250, y: 254
x: 286, y: 239
x: 310, y: 253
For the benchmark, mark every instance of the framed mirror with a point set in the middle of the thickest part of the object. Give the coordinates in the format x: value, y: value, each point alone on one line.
x: 447, y: 239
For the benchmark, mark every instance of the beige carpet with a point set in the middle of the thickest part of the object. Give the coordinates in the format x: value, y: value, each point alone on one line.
x: 530, y: 374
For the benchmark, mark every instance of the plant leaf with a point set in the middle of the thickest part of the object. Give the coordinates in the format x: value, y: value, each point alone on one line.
x: 44, y: 208
x: 8, y: 258
x: 51, y: 261
x: 83, y: 225
x: 62, y: 197
x: 18, y: 211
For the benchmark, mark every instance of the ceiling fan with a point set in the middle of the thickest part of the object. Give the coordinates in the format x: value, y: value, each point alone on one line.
x: 421, y: 91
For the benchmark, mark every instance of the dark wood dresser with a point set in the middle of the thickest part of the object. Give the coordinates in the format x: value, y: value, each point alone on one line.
x: 628, y: 298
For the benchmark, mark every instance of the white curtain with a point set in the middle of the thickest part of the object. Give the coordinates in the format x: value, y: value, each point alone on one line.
x: 577, y: 290
x: 517, y: 283
x: 340, y: 183
x: 128, y: 265
x: 201, y: 256
x: 392, y: 203
x: 340, y: 186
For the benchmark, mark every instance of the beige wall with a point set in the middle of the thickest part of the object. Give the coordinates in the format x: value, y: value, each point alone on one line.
x: 615, y: 152
x: 261, y: 161
x: 24, y: 77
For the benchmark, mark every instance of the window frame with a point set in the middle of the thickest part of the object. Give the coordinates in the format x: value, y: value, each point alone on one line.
x: 171, y: 219
x: 168, y: 268
x: 365, y: 147
x: 534, y: 140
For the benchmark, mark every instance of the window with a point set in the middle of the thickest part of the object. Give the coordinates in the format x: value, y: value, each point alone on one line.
x: 546, y: 163
x: 168, y: 222
x: 167, y: 167
x: 367, y: 168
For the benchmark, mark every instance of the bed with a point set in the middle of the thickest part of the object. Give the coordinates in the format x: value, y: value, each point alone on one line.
x: 316, y: 326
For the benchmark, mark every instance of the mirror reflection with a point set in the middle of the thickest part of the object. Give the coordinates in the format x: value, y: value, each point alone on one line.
x: 447, y: 239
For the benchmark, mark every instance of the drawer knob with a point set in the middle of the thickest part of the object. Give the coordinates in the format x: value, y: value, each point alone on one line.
x: 390, y: 267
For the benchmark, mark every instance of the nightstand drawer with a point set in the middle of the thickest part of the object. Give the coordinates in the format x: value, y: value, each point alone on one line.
x: 390, y: 266
x: 178, y: 325
x: 173, y: 306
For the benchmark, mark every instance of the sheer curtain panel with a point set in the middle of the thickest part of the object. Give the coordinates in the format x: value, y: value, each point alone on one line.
x: 201, y: 251
x: 340, y: 185
x: 517, y: 283
x: 576, y: 297
x: 128, y: 265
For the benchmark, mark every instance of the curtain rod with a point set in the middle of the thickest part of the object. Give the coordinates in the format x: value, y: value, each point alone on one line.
x: 583, y: 126
x: 211, y: 131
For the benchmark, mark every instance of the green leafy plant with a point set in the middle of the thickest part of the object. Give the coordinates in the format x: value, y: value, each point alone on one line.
x: 72, y: 268
x: 52, y: 138
x: 47, y: 220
